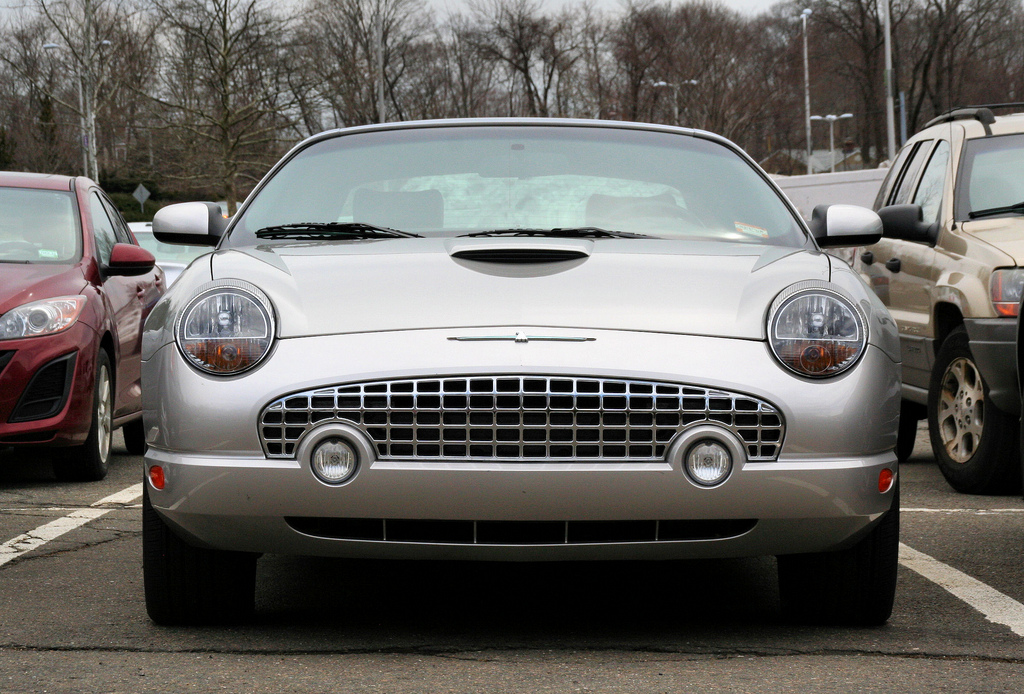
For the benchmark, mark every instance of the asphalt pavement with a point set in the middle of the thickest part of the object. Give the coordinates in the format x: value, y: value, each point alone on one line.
x: 72, y: 617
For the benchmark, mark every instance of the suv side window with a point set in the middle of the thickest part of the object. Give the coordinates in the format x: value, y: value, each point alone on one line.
x: 908, y: 176
x: 933, y: 182
x: 891, y: 177
x: 102, y: 228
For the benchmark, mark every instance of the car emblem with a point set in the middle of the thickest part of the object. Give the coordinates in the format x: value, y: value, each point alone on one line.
x: 521, y: 338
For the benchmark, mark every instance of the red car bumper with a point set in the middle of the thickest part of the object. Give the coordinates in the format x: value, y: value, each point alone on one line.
x: 46, y: 388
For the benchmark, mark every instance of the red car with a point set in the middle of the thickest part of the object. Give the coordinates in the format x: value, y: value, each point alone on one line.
x: 75, y: 289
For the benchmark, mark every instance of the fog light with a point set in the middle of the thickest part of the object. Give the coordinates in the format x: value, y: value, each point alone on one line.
x: 708, y: 462
x: 334, y: 460
x: 156, y: 477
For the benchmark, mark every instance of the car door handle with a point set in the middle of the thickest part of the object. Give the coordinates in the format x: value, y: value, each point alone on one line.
x: 893, y: 265
x: 867, y: 257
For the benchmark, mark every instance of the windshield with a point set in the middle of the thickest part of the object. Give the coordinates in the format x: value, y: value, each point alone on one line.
x: 168, y: 252
x: 991, y: 176
x: 452, y: 181
x: 38, y: 226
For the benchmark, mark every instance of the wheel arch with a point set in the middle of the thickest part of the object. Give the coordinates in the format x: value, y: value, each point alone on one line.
x: 947, y: 317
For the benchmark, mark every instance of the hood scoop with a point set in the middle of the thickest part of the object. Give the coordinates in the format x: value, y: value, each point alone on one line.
x: 520, y: 252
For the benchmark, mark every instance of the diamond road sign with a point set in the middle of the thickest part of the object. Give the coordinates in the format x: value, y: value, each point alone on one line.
x: 141, y: 194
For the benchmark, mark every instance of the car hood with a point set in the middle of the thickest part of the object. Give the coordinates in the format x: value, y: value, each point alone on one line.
x: 21, y: 283
x: 619, y: 284
x: 1005, y: 233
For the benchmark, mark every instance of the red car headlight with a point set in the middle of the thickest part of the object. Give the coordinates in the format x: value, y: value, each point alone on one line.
x: 44, y: 317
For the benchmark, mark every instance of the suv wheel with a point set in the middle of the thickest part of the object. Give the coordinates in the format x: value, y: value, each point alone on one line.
x: 973, y: 441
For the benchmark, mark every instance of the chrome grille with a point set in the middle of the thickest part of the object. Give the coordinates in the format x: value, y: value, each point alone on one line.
x: 521, y: 418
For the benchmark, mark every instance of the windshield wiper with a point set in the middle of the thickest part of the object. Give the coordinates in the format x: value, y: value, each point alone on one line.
x: 331, y: 230
x: 1017, y: 207
x: 559, y: 232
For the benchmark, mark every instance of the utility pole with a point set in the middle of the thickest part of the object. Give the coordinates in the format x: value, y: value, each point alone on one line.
x: 890, y: 118
x: 807, y: 90
x: 380, y: 62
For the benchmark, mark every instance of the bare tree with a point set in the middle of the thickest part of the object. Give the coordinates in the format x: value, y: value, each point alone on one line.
x: 223, y: 92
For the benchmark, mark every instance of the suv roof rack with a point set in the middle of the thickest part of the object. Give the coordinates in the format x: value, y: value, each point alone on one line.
x: 983, y: 114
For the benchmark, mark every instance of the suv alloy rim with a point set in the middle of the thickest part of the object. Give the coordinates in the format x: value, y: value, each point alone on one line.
x: 961, y: 410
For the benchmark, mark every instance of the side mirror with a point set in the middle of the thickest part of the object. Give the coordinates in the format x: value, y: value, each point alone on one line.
x: 845, y: 225
x: 192, y: 223
x: 129, y: 260
x: 904, y: 222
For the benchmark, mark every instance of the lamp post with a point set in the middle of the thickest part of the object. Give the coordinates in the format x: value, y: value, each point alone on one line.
x: 890, y: 116
x: 661, y: 84
x: 807, y: 87
x: 85, y: 74
x: 831, y: 135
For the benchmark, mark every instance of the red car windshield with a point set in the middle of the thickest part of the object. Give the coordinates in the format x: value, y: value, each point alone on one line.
x: 38, y: 226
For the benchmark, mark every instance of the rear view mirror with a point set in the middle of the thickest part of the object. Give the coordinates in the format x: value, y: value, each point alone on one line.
x: 905, y: 222
x: 192, y: 223
x: 845, y: 225
x: 129, y: 260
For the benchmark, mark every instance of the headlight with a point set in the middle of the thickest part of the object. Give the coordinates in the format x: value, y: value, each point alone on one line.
x: 1006, y: 288
x: 227, y: 328
x: 815, y: 331
x: 44, y: 317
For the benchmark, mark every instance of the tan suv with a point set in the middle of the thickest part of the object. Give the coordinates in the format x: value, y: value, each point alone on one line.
x: 949, y: 269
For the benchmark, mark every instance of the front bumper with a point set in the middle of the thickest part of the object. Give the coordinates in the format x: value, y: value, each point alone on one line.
x: 70, y: 425
x: 222, y: 492
x: 994, y: 347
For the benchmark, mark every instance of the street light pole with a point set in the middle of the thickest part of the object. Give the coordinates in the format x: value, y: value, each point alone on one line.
x: 890, y: 116
x: 831, y: 135
x: 83, y: 133
x: 807, y: 88
x: 84, y: 62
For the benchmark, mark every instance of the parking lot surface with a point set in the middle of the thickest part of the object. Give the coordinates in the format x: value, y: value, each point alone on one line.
x: 72, y: 617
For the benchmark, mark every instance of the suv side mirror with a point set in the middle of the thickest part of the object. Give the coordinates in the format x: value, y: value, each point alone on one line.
x: 845, y: 225
x: 192, y: 223
x: 905, y: 222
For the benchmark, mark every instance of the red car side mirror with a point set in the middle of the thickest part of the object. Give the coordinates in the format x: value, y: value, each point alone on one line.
x: 128, y: 260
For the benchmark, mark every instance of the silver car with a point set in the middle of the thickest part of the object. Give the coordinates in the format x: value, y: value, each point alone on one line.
x: 524, y: 340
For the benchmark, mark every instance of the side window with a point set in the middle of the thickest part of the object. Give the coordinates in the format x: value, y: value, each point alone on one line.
x: 102, y: 228
x: 905, y: 185
x: 933, y: 181
x: 120, y: 228
x: 892, y: 177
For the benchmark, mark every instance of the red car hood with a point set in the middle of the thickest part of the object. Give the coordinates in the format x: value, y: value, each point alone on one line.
x: 23, y: 283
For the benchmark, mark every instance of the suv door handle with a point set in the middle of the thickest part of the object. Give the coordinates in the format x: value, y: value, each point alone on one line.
x: 867, y: 257
x: 893, y: 265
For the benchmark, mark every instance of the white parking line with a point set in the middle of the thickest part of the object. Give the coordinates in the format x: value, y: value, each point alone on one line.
x: 975, y: 511
x: 997, y: 608
x: 33, y: 539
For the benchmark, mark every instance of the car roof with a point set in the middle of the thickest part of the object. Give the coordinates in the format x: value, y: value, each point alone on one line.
x: 974, y: 128
x: 18, y: 179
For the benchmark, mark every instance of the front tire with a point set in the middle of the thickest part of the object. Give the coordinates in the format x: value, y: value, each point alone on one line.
x: 189, y: 585
x: 134, y: 433
x: 90, y: 461
x: 975, y: 444
x: 852, y: 587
